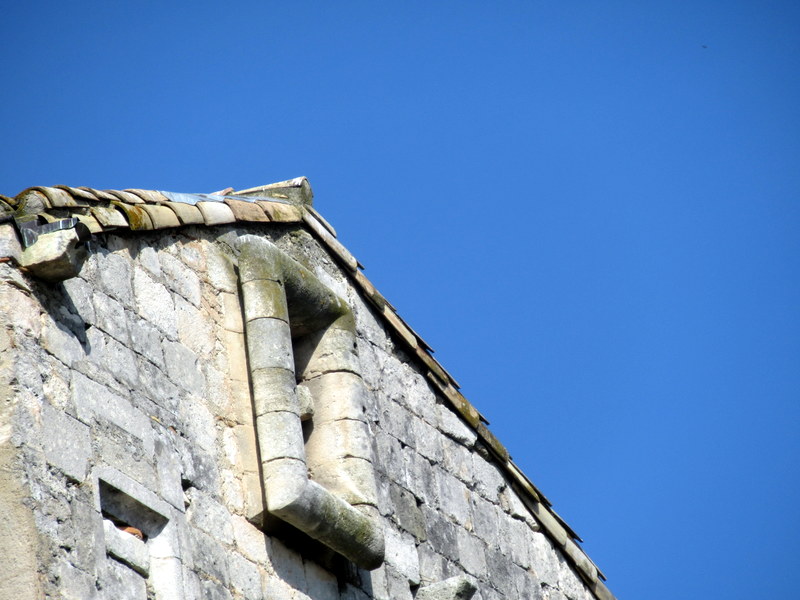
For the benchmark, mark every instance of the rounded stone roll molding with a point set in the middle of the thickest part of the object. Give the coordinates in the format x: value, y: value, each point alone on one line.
x: 333, y: 501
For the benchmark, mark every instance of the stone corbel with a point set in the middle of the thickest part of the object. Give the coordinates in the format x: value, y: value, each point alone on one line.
x: 301, y: 339
x: 53, y: 251
x: 455, y: 588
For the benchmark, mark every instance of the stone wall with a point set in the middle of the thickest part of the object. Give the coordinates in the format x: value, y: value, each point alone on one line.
x: 130, y: 466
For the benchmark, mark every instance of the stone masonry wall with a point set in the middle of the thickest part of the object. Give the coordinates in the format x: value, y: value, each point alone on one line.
x: 125, y: 401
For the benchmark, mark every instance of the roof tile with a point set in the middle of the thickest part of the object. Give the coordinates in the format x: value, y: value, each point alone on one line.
x: 138, y: 219
x: 247, y: 211
x: 216, y: 213
x: 281, y: 212
x: 188, y: 214
x: 108, y: 216
x: 161, y: 216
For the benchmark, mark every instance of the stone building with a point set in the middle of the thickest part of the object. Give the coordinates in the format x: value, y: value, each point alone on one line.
x: 202, y: 396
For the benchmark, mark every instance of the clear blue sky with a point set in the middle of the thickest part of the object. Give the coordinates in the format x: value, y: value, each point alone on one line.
x: 589, y: 209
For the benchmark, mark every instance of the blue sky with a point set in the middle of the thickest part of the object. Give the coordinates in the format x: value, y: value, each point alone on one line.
x: 590, y: 210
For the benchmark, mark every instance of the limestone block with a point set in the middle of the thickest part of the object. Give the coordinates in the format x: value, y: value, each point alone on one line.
x: 330, y: 350
x: 212, y: 559
x: 502, y: 572
x: 245, y: 577
x: 398, y: 421
x: 169, y: 478
x: 406, y: 512
x: 93, y: 400
x: 338, y: 395
x: 55, y: 387
x: 457, y: 460
x: 397, y: 584
x: 110, y: 317
x: 288, y: 566
x: 454, y: 588
x: 181, y: 278
x: 351, y: 479
x: 442, y: 534
x: 280, y: 436
x: 126, y: 548
x: 306, y: 402
x: 511, y: 504
x: 208, y: 515
x: 368, y: 324
x: 113, y: 274
x: 231, y: 312
x: 265, y: 298
x: 269, y: 344
x: 120, y: 582
x: 61, y: 343
x: 111, y: 357
x: 253, y: 491
x: 144, y: 339
x: 154, y: 303
x: 454, y: 498
x: 401, y: 553
x: 147, y: 257
x: 452, y: 426
x: 274, y: 390
x: 183, y: 367
x: 9, y: 242
x: 321, y: 584
x: 431, y: 564
x: 485, y: 520
x: 339, y: 439
x: 545, y: 558
x: 71, y: 449
x: 25, y: 309
x: 419, y: 398
x: 427, y: 440
x: 195, y: 329
x: 471, y: 553
x: 214, y: 590
x: 488, y: 479
x: 420, y: 475
x: 250, y: 540
x: 79, y: 294
x: 231, y: 491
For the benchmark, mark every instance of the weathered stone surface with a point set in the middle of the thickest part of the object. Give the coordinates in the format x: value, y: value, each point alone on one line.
x: 126, y: 548
x: 55, y: 256
x: 406, y: 512
x: 61, y: 343
x: 454, y: 588
x: 110, y: 317
x: 269, y: 344
x: 114, y: 276
x: 141, y: 366
x: 183, y: 367
x: 71, y: 449
x: 180, y: 278
x: 154, y: 303
x: 210, y: 516
x: 9, y: 242
x: 120, y: 582
x: 401, y: 553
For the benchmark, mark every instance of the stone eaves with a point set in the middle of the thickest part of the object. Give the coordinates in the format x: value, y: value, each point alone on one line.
x: 50, y: 208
